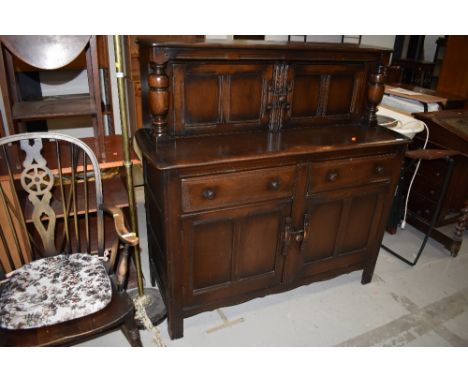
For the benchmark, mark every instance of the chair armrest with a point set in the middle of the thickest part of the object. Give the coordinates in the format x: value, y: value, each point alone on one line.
x: 430, y: 154
x: 119, y: 221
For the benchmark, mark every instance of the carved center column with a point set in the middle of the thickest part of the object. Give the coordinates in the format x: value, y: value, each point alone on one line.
x: 158, y: 97
x: 279, y: 96
x: 375, y: 94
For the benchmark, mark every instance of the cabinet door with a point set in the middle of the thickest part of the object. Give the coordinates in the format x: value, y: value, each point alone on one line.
x: 229, y: 253
x: 343, y: 230
x: 212, y: 98
x: 326, y: 93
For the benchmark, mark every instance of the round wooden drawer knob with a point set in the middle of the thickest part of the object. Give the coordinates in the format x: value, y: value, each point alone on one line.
x: 209, y: 193
x: 274, y: 184
x: 379, y: 169
x: 332, y: 176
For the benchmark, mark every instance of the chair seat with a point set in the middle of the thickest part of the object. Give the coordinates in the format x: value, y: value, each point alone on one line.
x: 54, y: 290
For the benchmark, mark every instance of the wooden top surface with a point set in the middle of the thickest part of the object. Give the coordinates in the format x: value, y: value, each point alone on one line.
x: 113, y: 151
x: 171, y: 153
x: 255, y: 44
x: 251, y: 50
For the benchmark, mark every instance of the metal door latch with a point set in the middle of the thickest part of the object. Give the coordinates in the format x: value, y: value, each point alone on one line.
x: 296, y: 235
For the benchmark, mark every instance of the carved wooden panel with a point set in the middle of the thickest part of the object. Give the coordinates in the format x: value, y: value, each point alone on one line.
x: 325, y: 93
x: 219, y: 97
x: 37, y: 180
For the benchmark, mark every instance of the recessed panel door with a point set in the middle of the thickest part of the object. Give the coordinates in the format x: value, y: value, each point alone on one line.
x: 234, y: 251
x: 326, y: 93
x: 220, y: 97
x: 342, y: 228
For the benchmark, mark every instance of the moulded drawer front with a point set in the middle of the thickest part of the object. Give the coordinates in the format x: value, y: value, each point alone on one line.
x: 332, y: 175
x: 422, y: 206
x: 205, y: 192
x: 433, y: 172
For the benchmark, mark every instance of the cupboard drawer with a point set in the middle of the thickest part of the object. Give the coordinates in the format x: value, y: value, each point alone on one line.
x: 424, y: 186
x: 421, y: 206
x: 332, y: 175
x: 433, y: 172
x: 204, y: 192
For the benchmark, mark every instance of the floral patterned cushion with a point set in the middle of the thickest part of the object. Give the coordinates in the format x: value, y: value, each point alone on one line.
x: 53, y: 290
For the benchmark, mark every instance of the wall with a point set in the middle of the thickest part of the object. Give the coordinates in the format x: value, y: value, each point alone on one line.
x: 385, y: 41
x: 310, y: 38
x: 218, y: 37
x: 380, y: 41
x: 58, y: 83
x: 430, y: 46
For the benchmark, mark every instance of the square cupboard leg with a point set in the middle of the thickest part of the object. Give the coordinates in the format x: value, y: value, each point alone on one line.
x: 175, y: 324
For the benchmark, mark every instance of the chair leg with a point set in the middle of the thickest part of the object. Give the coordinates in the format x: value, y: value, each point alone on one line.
x: 131, y: 332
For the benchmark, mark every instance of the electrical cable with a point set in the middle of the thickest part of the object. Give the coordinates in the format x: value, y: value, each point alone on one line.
x: 403, y: 222
x: 400, y: 125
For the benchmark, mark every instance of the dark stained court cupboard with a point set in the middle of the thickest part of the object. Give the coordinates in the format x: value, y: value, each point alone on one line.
x: 264, y: 168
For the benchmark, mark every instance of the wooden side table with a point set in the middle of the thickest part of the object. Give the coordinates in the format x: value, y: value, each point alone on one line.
x: 448, y: 131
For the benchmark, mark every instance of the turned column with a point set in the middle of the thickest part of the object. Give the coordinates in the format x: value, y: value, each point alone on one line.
x: 375, y: 92
x: 158, y: 97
